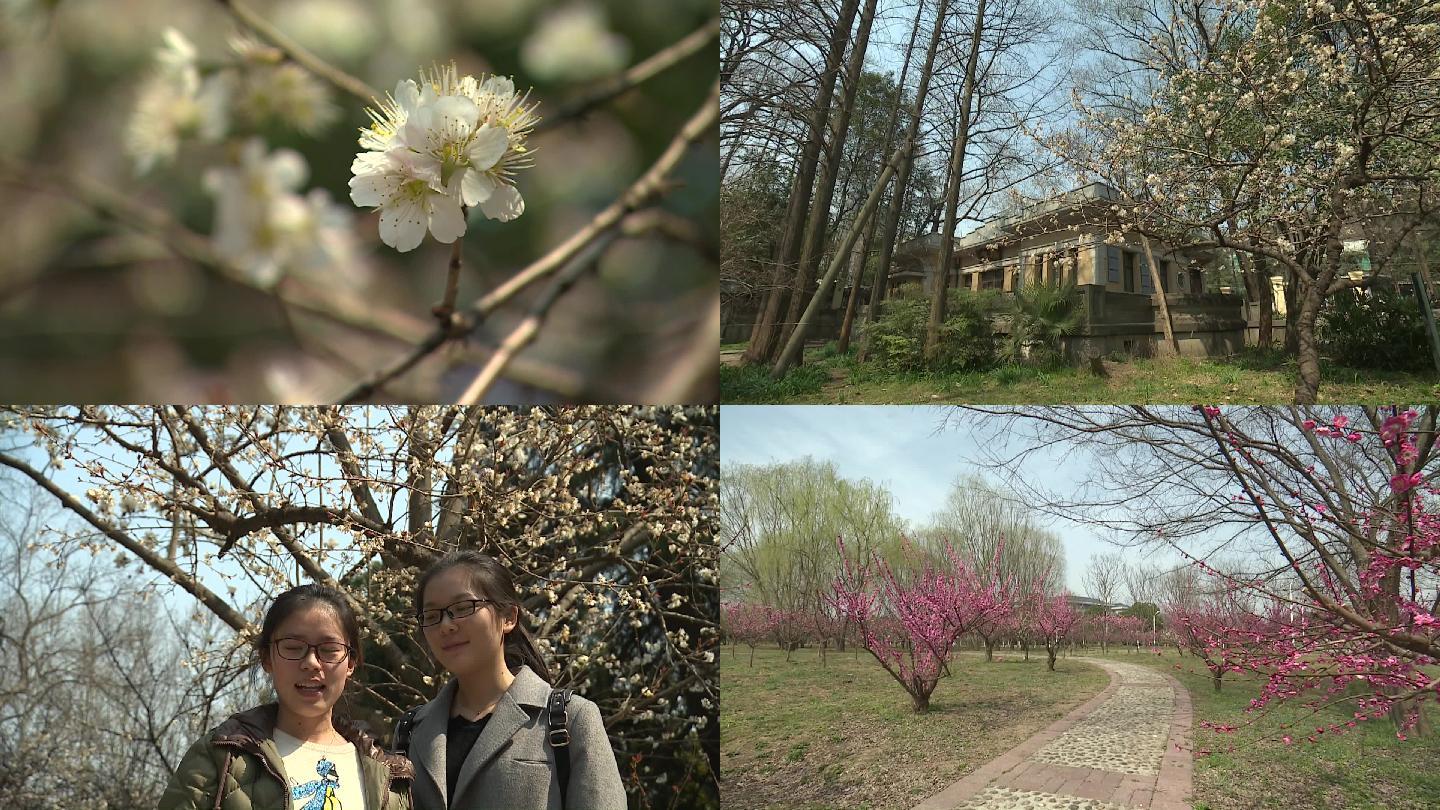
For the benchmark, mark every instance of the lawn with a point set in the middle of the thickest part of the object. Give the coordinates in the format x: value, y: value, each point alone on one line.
x: 798, y: 734
x: 1367, y: 767
x: 1252, y: 377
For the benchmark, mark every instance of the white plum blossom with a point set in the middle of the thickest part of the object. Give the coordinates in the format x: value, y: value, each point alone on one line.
x: 434, y: 146
x: 174, y: 103
x: 573, y: 43
x: 265, y: 228
x: 409, y: 196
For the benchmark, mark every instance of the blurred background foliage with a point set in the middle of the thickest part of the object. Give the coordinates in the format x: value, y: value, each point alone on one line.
x: 96, y: 305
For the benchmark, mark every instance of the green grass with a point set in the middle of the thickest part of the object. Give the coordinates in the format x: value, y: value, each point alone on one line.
x: 1367, y: 767
x: 753, y: 383
x: 798, y: 734
x: 1255, y: 376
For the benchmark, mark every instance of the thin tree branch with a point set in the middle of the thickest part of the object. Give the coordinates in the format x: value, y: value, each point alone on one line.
x: 525, y: 334
x: 662, y: 60
x: 299, y: 55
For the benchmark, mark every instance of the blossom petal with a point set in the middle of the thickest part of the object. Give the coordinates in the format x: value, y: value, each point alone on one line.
x: 455, y: 116
x: 499, y: 85
x: 402, y: 224
x: 373, y: 190
x: 476, y: 187
x: 287, y: 169
x: 447, y: 223
x: 416, y: 131
x: 505, y: 204
x: 489, y: 144
x: 407, y: 94
x: 370, y: 163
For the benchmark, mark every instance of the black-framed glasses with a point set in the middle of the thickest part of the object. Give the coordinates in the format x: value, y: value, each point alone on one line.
x: 455, y: 610
x: 326, y: 652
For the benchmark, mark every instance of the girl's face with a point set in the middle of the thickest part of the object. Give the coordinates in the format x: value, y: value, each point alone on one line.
x: 470, y: 643
x: 311, y: 686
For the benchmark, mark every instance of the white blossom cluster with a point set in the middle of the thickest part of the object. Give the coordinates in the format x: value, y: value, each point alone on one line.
x: 182, y: 100
x: 266, y: 228
x: 438, y: 147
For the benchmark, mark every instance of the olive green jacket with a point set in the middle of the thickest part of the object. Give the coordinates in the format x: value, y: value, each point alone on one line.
x: 243, y: 750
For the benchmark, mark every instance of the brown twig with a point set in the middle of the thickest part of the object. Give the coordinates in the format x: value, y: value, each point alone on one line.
x: 446, y: 308
x: 658, y: 62
x: 525, y: 334
x: 297, y: 54
x: 650, y: 185
x: 341, y: 308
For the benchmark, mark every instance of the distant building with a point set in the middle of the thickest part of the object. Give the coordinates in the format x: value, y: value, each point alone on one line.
x: 1050, y: 241
x: 1085, y: 603
x: 1053, y: 241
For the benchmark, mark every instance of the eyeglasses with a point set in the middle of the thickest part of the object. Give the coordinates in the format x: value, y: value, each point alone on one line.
x: 326, y: 652
x: 455, y: 610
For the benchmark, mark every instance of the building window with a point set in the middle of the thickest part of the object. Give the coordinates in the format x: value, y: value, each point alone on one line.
x: 1147, y: 284
x: 1165, y: 277
x: 1113, y: 265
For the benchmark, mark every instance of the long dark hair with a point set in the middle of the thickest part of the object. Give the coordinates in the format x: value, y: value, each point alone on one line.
x: 492, y: 581
x: 304, y: 596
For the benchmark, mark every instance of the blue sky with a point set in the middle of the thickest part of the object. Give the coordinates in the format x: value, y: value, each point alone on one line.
x: 899, y: 446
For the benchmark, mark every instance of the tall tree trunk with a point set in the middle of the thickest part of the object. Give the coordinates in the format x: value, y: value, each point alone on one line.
x: 1165, y: 323
x: 1265, y: 335
x: 952, y: 192
x: 858, y: 275
x: 765, y: 334
x: 1292, y: 311
x: 848, y: 324
x: 797, y: 338
x: 825, y: 192
x: 902, y: 175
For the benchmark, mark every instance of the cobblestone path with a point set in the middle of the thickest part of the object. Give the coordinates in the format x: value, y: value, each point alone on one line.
x: 1115, y: 752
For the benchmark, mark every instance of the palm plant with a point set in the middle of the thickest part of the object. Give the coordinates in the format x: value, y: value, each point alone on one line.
x: 1040, y: 315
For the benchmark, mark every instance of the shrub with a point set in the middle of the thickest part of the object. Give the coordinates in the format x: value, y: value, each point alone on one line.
x: 1378, y: 328
x: 967, y: 337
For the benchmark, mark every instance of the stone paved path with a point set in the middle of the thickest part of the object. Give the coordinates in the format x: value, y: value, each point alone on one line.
x: 1115, y: 752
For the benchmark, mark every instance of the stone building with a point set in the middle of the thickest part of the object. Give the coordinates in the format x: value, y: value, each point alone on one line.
x: 1053, y: 241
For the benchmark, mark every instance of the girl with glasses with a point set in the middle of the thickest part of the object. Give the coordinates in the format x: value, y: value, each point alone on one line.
x: 498, y: 735
x: 294, y: 754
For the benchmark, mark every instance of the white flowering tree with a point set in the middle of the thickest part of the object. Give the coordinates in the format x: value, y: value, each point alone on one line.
x: 1277, y: 129
x: 605, y: 515
x: 97, y: 698
x: 239, y: 271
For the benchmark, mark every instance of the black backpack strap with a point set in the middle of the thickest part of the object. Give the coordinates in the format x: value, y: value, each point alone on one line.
x: 560, y: 736
x: 402, y: 732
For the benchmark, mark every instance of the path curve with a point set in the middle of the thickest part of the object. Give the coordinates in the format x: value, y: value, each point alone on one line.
x: 1127, y: 747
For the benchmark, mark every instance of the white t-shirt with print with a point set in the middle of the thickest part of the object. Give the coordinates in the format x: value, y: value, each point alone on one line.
x: 322, y: 777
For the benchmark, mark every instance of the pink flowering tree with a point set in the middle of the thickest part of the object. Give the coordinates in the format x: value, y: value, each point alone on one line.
x: 1338, y: 506
x: 1124, y: 629
x: 1214, y: 630
x: 747, y: 623
x: 912, y: 624
x: 1053, y: 619
x: 825, y: 627
x: 1366, y: 610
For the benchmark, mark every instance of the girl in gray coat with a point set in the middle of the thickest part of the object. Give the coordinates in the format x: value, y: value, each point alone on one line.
x: 495, y: 736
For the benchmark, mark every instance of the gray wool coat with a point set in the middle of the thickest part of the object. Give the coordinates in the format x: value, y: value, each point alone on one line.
x: 512, y: 765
